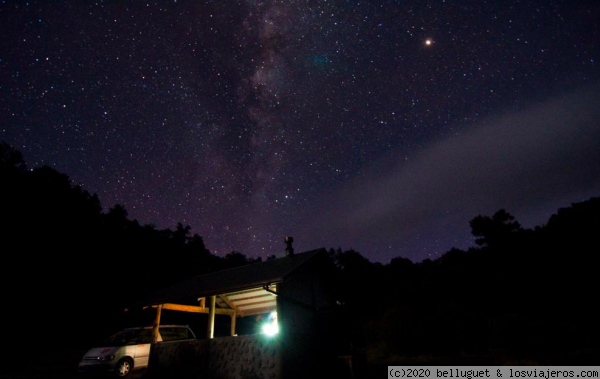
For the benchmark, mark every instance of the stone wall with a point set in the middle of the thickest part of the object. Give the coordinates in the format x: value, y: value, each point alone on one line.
x: 185, y: 359
x: 245, y: 357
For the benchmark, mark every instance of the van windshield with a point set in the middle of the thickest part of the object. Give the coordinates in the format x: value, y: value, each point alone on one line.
x: 130, y: 337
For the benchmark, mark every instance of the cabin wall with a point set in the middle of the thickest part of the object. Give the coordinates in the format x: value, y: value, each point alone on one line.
x: 311, y: 287
x: 302, y: 298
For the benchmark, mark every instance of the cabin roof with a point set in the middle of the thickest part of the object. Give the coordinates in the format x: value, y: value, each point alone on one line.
x: 232, y: 281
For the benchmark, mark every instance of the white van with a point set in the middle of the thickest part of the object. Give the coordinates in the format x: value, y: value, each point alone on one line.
x: 129, y: 349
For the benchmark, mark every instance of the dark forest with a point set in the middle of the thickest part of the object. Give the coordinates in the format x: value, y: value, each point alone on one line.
x: 520, y: 296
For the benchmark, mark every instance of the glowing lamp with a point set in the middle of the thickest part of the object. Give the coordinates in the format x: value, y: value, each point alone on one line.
x: 270, y: 327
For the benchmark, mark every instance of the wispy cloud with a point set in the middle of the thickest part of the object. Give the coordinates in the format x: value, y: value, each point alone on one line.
x: 529, y: 162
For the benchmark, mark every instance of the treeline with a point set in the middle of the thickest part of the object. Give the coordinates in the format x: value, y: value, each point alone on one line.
x: 69, y: 268
x: 522, y: 296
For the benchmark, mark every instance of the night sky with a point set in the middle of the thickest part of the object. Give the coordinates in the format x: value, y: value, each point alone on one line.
x: 383, y: 126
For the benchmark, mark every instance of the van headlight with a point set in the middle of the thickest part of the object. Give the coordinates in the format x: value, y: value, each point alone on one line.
x: 106, y: 358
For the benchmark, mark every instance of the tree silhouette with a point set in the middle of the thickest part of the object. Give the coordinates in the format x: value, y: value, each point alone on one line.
x: 61, y: 248
x: 494, y: 230
x: 518, y: 296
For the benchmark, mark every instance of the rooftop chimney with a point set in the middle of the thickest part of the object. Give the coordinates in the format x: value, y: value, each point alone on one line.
x: 289, y: 250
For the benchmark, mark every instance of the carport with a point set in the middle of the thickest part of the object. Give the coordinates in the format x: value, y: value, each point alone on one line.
x: 291, y: 290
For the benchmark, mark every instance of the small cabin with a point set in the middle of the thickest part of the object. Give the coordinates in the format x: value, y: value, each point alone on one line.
x: 295, y: 296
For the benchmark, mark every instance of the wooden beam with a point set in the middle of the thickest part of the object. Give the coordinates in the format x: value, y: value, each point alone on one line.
x: 223, y: 311
x: 184, y: 308
x: 274, y: 299
x: 228, y: 302
x: 244, y: 291
x: 254, y: 289
x: 194, y: 309
x: 257, y: 311
x: 233, y: 317
x: 210, y: 327
x: 252, y: 297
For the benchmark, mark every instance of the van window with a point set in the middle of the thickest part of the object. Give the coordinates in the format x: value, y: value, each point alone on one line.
x: 175, y: 334
x: 144, y: 337
x: 130, y: 337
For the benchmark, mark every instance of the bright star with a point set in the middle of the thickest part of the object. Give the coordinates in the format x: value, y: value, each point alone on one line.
x: 428, y: 42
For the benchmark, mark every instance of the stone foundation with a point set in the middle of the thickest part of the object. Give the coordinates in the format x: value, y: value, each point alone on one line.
x: 245, y: 357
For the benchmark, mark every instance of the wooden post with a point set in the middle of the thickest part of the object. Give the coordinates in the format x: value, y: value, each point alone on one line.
x: 156, y: 325
x: 155, y: 333
x: 210, y: 330
x: 233, y: 317
x: 203, y: 302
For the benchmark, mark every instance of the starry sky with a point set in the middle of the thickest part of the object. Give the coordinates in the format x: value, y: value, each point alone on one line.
x: 383, y: 126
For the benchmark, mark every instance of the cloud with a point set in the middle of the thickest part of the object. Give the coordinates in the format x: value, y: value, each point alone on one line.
x: 527, y: 162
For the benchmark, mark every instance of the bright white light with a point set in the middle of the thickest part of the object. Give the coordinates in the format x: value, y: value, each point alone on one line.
x: 270, y: 328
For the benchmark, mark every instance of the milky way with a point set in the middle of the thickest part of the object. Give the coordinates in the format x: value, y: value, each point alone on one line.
x: 331, y: 121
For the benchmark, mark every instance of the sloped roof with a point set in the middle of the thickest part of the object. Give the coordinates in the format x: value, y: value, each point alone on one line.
x: 231, y: 280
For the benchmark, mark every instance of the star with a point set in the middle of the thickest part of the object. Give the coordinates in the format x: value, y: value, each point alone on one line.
x: 304, y: 103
